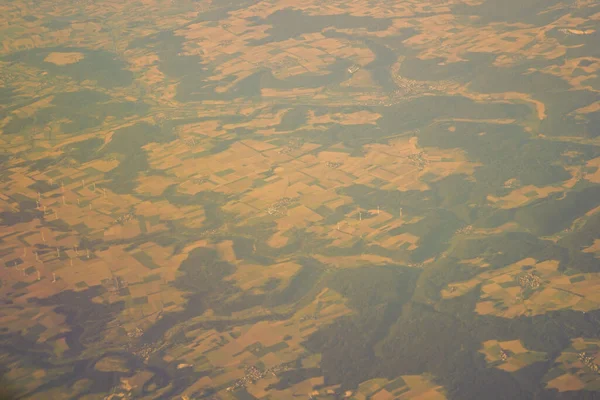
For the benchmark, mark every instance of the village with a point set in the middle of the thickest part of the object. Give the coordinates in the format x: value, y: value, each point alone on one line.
x: 252, y: 374
x: 529, y: 280
x: 588, y: 361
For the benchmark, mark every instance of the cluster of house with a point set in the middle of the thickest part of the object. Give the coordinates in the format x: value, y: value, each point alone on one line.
x: 114, y: 284
x: 209, y: 232
x: 291, y: 146
x: 135, y: 333
x: 503, y: 355
x: 279, y: 207
x: 332, y: 164
x: 464, y: 230
x: 252, y: 374
x: 190, y: 141
x: 530, y: 281
x: 418, y: 160
x: 588, y: 361
x: 144, y: 351
x: 408, y: 86
x: 512, y: 183
x: 124, y: 218
x: 576, y: 31
x: 331, y: 392
x: 353, y: 68
x: 309, y: 316
x: 280, y: 63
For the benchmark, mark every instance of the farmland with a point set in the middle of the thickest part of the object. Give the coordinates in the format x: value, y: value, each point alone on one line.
x: 271, y: 200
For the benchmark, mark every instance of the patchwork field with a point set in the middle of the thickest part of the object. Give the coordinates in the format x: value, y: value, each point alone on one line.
x: 403, y: 387
x: 509, y: 356
x: 576, y: 368
x: 529, y: 288
x: 270, y: 200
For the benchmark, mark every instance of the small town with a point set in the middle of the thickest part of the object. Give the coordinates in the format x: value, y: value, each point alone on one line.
x: 291, y: 146
x: 279, y: 207
x: 125, y: 218
x: 588, y: 361
x: 530, y: 281
x: 253, y: 374
x: 332, y: 164
x: 418, y: 160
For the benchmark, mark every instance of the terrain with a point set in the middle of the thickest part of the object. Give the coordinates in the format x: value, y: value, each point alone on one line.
x: 273, y: 199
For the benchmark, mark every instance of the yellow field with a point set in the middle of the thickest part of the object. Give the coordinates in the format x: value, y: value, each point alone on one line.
x: 509, y: 356
x: 222, y: 163
x: 556, y: 291
x: 403, y: 387
x: 576, y: 374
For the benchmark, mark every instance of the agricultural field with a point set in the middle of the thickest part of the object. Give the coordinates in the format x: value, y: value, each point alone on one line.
x: 530, y: 288
x: 403, y: 387
x: 246, y: 200
x: 576, y: 368
x: 510, y: 355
